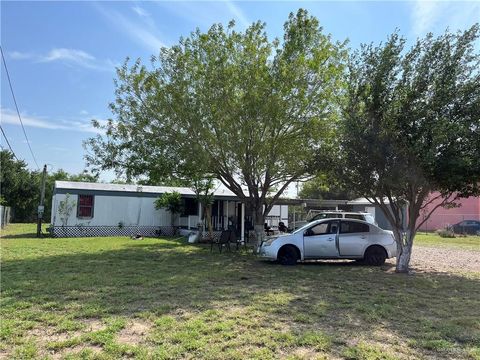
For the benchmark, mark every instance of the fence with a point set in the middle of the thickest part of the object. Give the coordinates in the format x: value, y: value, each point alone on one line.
x: 94, y: 231
x: 4, y: 216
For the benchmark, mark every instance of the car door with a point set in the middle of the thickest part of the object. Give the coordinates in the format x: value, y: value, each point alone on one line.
x: 353, y: 238
x: 320, y: 240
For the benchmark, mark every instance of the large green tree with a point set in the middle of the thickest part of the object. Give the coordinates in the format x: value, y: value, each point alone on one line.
x: 19, y: 187
x: 411, y: 126
x: 233, y: 104
x: 329, y: 188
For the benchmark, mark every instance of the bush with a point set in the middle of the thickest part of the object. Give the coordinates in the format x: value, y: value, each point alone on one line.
x: 445, y: 233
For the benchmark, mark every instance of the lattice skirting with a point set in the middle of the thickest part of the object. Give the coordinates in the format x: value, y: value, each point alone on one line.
x: 216, y: 235
x: 90, y: 231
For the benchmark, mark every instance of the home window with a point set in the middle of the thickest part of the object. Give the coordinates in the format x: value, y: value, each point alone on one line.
x: 190, y: 206
x: 85, y: 206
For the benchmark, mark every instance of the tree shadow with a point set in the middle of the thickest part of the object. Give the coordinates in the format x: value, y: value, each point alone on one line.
x: 28, y: 235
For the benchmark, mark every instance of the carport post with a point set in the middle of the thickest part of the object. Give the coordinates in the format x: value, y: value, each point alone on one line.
x: 242, y: 225
x: 226, y: 224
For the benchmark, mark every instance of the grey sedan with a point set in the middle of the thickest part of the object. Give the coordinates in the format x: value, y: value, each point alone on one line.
x: 331, y: 239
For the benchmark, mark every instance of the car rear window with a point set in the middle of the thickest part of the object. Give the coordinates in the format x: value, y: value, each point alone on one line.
x: 333, y: 216
x: 349, y: 227
x: 327, y: 216
x: 354, y: 216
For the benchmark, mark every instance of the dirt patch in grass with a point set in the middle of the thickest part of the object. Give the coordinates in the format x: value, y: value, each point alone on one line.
x: 93, y: 325
x: 77, y: 350
x: 48, y: 334
x: 304, y: 353
x: 134, y: 333
x: 441, y: 259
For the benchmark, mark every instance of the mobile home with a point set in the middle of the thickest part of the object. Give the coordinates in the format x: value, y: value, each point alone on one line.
x: 94, y: 209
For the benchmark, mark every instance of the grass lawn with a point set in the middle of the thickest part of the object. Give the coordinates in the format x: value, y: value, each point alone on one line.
x: 111, y: 298
x: 432, y: 239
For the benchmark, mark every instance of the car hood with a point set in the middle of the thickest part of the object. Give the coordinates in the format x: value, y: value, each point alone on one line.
x: 276, y: 236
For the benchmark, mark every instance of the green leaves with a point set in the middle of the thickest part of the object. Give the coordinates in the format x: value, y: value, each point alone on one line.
x: 410, y: 126
x: 171, y: 201
x: 411, y: 115
x: 234, y: 104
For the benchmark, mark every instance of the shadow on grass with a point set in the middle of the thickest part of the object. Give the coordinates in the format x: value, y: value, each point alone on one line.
x: 162, y: 277
x: 22, y: 236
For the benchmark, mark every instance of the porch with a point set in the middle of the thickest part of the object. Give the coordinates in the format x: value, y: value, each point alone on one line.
x: 226, y: 215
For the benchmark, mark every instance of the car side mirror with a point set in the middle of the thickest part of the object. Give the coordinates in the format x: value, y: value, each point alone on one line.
x: 308, y: 232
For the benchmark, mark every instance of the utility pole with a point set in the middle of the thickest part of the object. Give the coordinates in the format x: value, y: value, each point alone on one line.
x: 42, y: 200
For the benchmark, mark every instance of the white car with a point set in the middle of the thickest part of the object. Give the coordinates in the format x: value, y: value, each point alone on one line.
x: 331, y: 239
x: 335, y: 214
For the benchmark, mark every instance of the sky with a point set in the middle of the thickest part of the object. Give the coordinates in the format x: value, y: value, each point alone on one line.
x: 61, y: 55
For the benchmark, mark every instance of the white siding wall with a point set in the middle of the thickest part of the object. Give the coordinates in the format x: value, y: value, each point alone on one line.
x: 280, y: 211
x: 110, y: 210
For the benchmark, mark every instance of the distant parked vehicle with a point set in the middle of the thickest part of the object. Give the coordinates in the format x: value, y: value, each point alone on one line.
x: 331, y: 239
x: 467, y: 227
x: 345, y: 215
x: 335, y: 214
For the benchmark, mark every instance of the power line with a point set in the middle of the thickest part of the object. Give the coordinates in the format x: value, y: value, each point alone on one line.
x: 16, y: 107
x: 8, y: 143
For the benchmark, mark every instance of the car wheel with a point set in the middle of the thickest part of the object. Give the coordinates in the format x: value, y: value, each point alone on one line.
x: 375, y: 256
x: 287, y: 255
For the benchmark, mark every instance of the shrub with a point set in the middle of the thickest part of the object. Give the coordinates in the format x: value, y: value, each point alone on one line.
x: 444, y: 233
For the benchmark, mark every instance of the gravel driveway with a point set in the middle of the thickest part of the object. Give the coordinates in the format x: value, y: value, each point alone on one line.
x: 425, y: 258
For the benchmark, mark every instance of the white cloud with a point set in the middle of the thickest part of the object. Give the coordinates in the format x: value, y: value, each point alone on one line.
x: 140, y: 11
x: 17, y: 55
x: 9, y: 116
x: 205, y: 14
x: 436, y: 16
x: 143, y: 32
x: 237, y: 13
x: 67, y: 56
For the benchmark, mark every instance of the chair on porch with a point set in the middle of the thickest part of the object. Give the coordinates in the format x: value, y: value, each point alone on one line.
x: 224, y: 239
x: 236, y: 239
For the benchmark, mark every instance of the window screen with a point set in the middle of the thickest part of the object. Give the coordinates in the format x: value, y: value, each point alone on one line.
x: 85, y: 206
x: 348, y: 227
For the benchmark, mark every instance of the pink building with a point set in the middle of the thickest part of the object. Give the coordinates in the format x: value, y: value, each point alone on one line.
x: 469, y: 209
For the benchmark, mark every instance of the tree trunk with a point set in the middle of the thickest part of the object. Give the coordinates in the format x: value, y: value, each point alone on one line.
x: 173, y: 219
x: 404, y: 251
x: 208, y: 215
x: 259, y: 226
